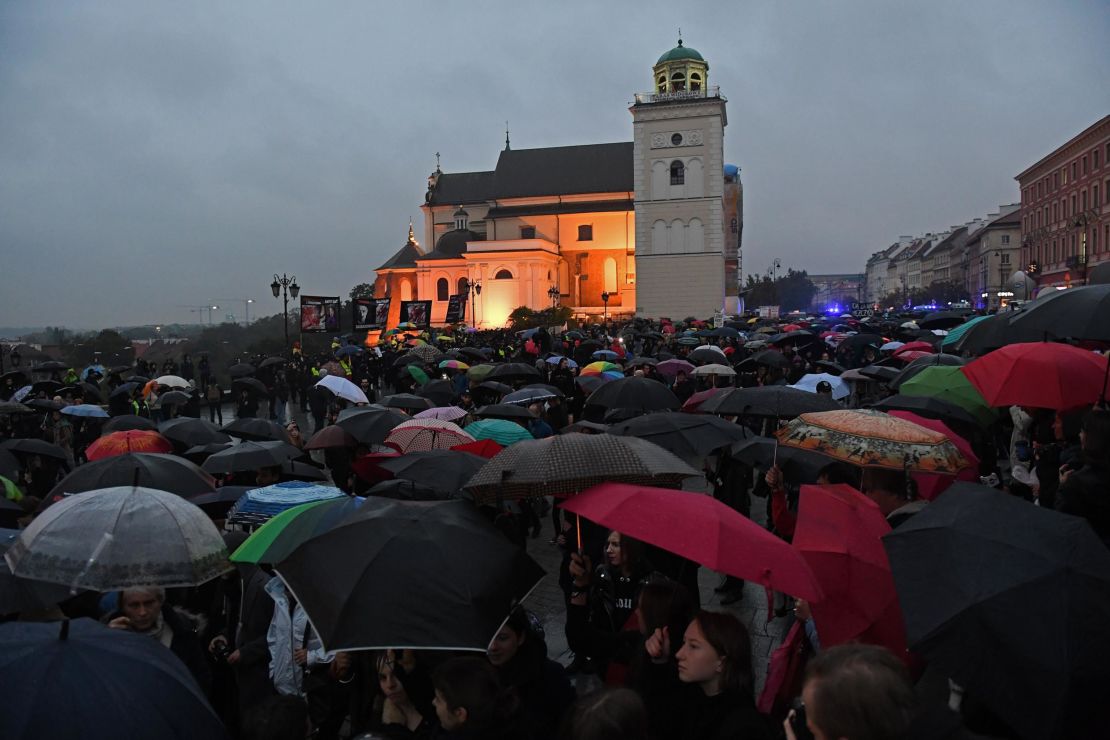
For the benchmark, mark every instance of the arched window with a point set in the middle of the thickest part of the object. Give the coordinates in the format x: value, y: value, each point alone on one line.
x: 695, y: 81
x: 503, y: 275
x: 678, y: 173
x: 661, y: 84
x: 406, y: 290
x: 464, y: 285
x: 443, y: 290
x: 610, y: 275
x: 678, y: 82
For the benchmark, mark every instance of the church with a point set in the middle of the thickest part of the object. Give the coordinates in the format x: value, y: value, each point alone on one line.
x: 650, y: 227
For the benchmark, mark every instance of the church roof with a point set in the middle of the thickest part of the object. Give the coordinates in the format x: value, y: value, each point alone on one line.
x: 680, y: 52
x: 561, y: 170
x: 452, y: 245
x: 405, y: 257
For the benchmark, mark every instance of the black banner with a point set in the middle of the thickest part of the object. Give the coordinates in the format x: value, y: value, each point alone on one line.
x: 362, y: 312
x: 418, y: 313
x: 319, y: 313
x: 456, y: 308
x: 381, y: 312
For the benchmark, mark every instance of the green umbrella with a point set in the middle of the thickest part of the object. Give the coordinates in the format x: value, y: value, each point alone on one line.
x: 954, y: 335
x: 277, y: 538
x: 501, y: 431
x: 947, y: 383
x: 479, y: 372
x: 417, y: 374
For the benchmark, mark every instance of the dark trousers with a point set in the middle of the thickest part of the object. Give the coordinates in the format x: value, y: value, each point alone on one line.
x: 215, y: 411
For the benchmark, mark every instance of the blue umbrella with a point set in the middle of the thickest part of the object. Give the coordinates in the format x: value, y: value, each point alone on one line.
x: 607, y: 355
x: 554, y: 360
x: 92, y: 369
x: 22, y: 393
x: 87, y: 410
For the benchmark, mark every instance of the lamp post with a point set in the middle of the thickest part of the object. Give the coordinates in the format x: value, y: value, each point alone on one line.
x: 553, y: 294
x: 285, y: 286
x: 472, y: 289
x: 605, y: 310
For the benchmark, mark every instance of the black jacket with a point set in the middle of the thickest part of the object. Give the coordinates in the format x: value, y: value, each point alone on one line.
x: 684, y: 712
x: 1086, y: 493
x: 186, y: 643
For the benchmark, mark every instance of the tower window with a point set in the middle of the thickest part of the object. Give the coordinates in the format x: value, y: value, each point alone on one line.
x: 678, y: 173
x: 586, y: 233
x: 678, y: 82
x: 442, y: 290
x: 527, y: 232
x: 661, y: 84
x: 695, y: 81
x: 503, y: 275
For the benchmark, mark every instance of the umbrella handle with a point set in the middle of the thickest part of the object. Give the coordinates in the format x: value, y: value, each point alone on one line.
x: 578, y: 530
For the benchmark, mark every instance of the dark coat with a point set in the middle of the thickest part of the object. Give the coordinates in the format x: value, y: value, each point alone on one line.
x: 684, y: 712
x: 1086, y: 493
x: 542, y: 686
x: 186, y: 643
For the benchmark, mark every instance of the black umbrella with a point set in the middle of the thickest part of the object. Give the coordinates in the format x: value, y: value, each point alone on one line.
x: 19, y: 378
x: 216, y: 503
x: 123, y: 389
x: 120, y: 369
x: 495, y: 387
x: 929, y: 407
x: 23, y: 594
x: 256, y: 430
x: 708, y: 355
x: 768, y: 357
x: 725, y: 331
x: 203, y: 451
x: 777, y: 401
x: 975, y: 558
x: 407, y: 401
x: 49, y: 366
x: 294, y: 470
x: 43, y: 404
x: 472, y: 353
x: 49, y: 387
x: 189, y: 432
x: 1077, y: 313
x: 241, y: 370
x: 532, y: 394
x: 639, y: 361
x: 127, y: 422
x: 798, y: 466
x: 13, y: 407
x: 469, y: 577
x: 370, y: 425
x: 441, y: 470
x: 35, y: 447
x: 408, y: 360
x: 830, y: 367
x: 513, y: 370
x: 407, y: 490
x: 90, y: 392
x: 798, y: 337
x: 996, y: 332
x: 139, y: 379
x: 881, y: 373
x: 144, y: 469
x: 439, y: 392
x: 942, y: 320
x: 179, y: 398
x: 250, y: 456
x: 253, y: 385
x: 271, y: 361
x: 504, y: 411
x: 643, y: 394
x: 689, y: 436
x: 83, y: 679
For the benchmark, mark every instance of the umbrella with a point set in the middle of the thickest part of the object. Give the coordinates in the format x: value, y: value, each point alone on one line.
x: 839, y: 534
x: 942, y: 320
x: 486, y: 448
x: 421, y: 435
x: 708, y: 353
x: 150, y: 470
x: 472, y: 352
x: 445, y: 413
x: 138, y: 380
x: 892, y: 346
x: 925, y: 360
x: 798, y: 466
x: 348, y: 350
x: 872, y: 439
x: 671, y: 368
x: 118, y: 443
x: 501, y: 431
x: 407, y: 360
x: 203, y: 451
x: 956, y: 334
x: 768, y: 357
x: 714, y: 369
x: 256, y: 430
x: 591, y: 383
x: 271, y: 361
x: 250, y: 455
x: 880, y: 373
x: 90, y: 392
x: 556, y: 359
x: 14, y: 407
x: 597, y: 368
x: 776, y: 401
x: 479, y: 372
x: 427, y: 354
x: 970, y: 561
x: 22, y: 594
x: 175, y: 397
x: 470, y: 576
x: 330, y: 436
x: 440, y: 392
x: 830, y: 367
x: 931, y: 408
x: 441, y: 470
x: 607, y: 355
x: 495, y: 387
x: 568, y: 463
x: 406, y: 490
x: 688, y: 341
x: 531, y: 395
x: 128, y: 422
x: 453, y: 365
x: 948, y: 383
x: 252, y: 385
x: 49, y: 387
x: 258, y: 505
x: 343, y: 388
x: 1078, y: 313
x: 49, y: 366
x: 513, y: 371
x: 640, y: 394
x: 994, y: 332
x: 1040, y: 375
x: 241, y: 370
x: 123, y: 389
x: 699, y: 528
x: 9, y: 465
x: 82, y: 679
x: 640, y: 361
x: 173, y: 381
x: 113, y: 538
x: 283, y: 533
x: 190, y: 432
x: 45, y: 404
x: 34, y: 447
x: 504, y: 411
x: 930, y: 486
x: 86, y: 410
x: 694, y: 403
x: 690, y: 437
x: 810, y: 381
x: 406, y: 401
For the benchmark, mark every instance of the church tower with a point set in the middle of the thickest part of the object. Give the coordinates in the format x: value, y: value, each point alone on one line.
x: 678, y: 160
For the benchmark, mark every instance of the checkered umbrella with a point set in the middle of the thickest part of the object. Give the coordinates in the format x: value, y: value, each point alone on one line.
x: 427, y: 354
x: 569, y: 463
x: 422, y: 435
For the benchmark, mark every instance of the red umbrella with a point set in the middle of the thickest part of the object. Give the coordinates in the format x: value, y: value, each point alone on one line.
x: 916, y: 346
x: 930, y: 486
x: 1043, y: 375
x: 916, y: 354
x: 702, y: 529
x: 132, y: 440
x: 839, y: 533
x: 367, y: 467
x: 486, y: 448
x: 694, y: 402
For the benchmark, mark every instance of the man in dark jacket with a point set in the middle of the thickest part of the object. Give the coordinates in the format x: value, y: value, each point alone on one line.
x: 1086, y: 492
x: 318, y: 400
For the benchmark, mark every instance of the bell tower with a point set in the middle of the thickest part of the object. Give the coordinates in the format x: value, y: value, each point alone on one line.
x: 678, y: 157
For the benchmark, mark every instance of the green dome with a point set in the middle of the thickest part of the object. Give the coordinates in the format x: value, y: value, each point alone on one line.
x: 680, y: 52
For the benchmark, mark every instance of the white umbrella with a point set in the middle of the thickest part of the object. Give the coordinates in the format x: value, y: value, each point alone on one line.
x: 714, y: 369
x: 344, y: 388
x: 173, y: 381
x: 891, y: 346
x: 809, y: 383
x: 115, y: 538
x: 910, y: 325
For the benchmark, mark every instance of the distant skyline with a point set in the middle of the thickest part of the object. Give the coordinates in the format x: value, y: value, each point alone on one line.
x: 156, y: 156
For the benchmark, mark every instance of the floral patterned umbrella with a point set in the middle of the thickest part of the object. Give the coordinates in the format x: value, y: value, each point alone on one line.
x: 872, y: 439
x: 422, y: 435
x: 135, y: 440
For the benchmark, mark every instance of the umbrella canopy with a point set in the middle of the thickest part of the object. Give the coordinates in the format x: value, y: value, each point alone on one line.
x: 597, y: 368
x: 1077, y: 313
x: 776, y: 401
x: 486, y: 448
x: 493, y: 386
x: 930, y: 486
x: 699, y: 528
x: 839, y: 533
x: 469, y: 577
x: 957, y: 333
x: 114, y: 538
x: 86, y: 410
x: 925, y: 360
x: 479, y: 372
x: 445, y: 413
x: 694, y: 403
x: 252, y: 385
x: 714, y: 369
x: 34, y: 447
x: 14, y: 407
x: 343, y: 388
x: 276, y: 540
x: 809, y: 382
x: 83, y: 679
x: 513, y: 371
x: 453, y: 365
x: 175, y: 398
x: 556, y: 359
x: 123, y: 389
x: 638, y: 394
x: 163, y: 472
x: 970, y: 561
x: 172, y: 381
x: 271, y: 361
x: 22, y: 594
x: 531, y: 395
x: 118, y: 443
x: 504, y: 411
x: 421, y: 435
x: 872, y: 439
x: 501, y: 431
x: 440, y: 392
x: 407, y: 490
x: 671, y: 368
x: 330, y: 436
x: 689, y: 436
x: 942, y: 320
x: 258, y: 505
x: 370, y: 425
x: 568, y: 463
x: 707, y: 354
x: 607, y: 355
x: 427, y: 354
x: 241, y: 370
x: 446, y: 471
x: 45, y: 404
x: 250, y: 456
x: 190, y: 432
x: 931, y: 408
x: 406, y: 401
x: 1040, y: 375
x: 947, y: 383
x: 256, y: 430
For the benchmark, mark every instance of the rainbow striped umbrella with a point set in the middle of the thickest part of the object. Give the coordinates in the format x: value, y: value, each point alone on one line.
x: 597, y: 368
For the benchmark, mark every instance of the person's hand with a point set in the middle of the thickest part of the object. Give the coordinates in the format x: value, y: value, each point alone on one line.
x: 580, y: 569
x: 300, y: 656
x: 234, y: 658
x: 801, y: 610
x: 658, y: 645
x: 342, y: 665
x: 217, y: 642
x: 1065, y: 473
x: 788, y: 725
x: 120, y: 623
x: 773, y: 477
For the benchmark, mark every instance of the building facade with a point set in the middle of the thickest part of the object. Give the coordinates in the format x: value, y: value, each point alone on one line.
x: 993, y: 254
x: 1065, y: 210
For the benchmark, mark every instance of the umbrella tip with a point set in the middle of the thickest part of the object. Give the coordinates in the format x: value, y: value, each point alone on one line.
x: 64, y: 634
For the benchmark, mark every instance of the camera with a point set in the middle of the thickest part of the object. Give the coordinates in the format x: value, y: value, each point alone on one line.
x: 798, y: 720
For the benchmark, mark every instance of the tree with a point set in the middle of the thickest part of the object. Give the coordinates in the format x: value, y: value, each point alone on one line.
x: 944, y: 292
x: 523, y: 317
x: 795, y: 291
x: 759, y: 291
x: 108, y: 345
x: 362, y: 290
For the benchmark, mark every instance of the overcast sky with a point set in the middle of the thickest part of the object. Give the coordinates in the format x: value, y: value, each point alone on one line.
x: 156, y: 156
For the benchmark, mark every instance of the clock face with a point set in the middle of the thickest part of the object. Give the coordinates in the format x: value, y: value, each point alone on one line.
x: 676, y: 139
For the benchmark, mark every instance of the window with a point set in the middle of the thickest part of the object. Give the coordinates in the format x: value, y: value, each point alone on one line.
x: 678, y: 82
x: 527, y: 232
x: 1006, y: 258
x: 1095, y: 202
x: 610, y: 268
x: 503, y: 275
x: 676, y: 139
x: 406, y: 290
x: 443, y: 290
x: 1083, y: 199
x: 463, y: 287
x: 1094, y: 159
x: 1073, y: 211
x: 1106, y: 192
x: 1084, y: 164
x: 661, y: 84
x: 695, y: 81
x: 586, y: 233
x: 678, y: 173
x: 1055, y: 180
x: 1074, y: 169
x: 1005, y: 238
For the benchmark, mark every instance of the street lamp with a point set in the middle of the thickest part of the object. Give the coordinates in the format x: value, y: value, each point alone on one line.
x: 605, y: 301
x: 472, y: 289
x: 285, y: 287
x: 210, y: 310
x: 553, y: 294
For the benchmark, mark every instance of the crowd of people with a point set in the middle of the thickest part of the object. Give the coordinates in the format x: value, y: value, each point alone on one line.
x: 648, y: 659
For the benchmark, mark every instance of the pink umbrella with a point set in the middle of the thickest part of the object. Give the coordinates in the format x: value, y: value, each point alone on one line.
x: 930, y: 486
x: 443, y: 413
x: 671, y: 368
x: 423, y: 435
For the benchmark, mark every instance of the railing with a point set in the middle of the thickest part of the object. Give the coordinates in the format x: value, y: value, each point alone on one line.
x: 654, y: 97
